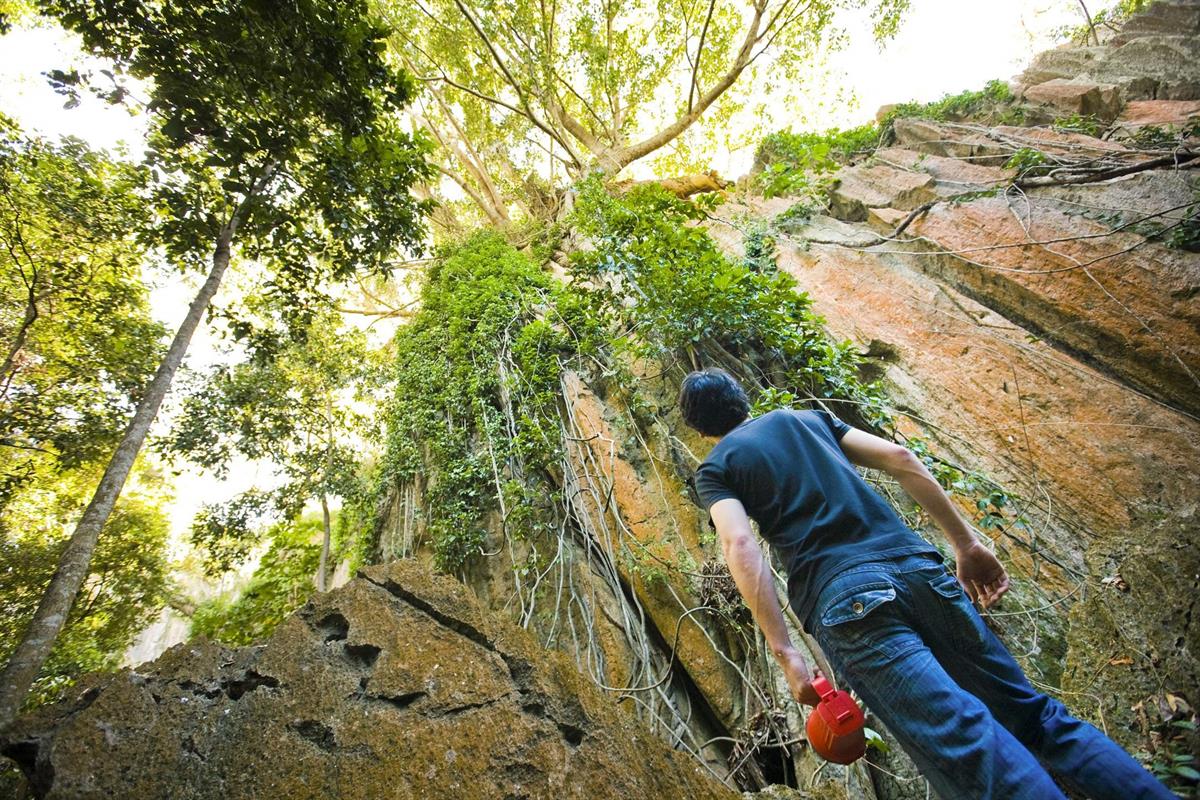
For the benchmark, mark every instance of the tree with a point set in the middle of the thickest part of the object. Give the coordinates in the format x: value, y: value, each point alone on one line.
x: 275, y: 132
x: 297, y: 407
x: 78, y: 346
x: 76, y: 337
x: 127, y: 580
x: 512, y: 85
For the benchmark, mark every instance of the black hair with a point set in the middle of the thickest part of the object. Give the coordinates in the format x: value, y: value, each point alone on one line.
x: 713, y: 402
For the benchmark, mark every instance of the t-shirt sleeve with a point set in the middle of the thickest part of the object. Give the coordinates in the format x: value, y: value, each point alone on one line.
x: 711, y: 485
x: 835, y: 425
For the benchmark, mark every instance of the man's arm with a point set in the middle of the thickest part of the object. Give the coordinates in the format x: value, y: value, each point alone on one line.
x: 754, y: 580
x: 979, y: 572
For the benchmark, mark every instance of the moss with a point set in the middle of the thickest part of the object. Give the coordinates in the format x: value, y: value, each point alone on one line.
x: 475, y: 407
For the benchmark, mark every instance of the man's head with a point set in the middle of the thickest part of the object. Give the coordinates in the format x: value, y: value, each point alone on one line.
x: 713, y: 402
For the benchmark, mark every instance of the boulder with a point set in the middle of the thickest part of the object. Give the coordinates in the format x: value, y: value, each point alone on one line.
x: 1084, y: 98
x: 1154, y: 68
x: 876, y: 186
x: 885, y: 220
x: 1062, y: 143
x: 1164, y: 17
x: 397, y: 685
x: 1162, y: 113
x: 952, y: 175
x: 949, y: 140
x: 1066, y: 61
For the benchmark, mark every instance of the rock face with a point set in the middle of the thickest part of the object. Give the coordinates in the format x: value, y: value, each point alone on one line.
x: 1156, y: 56
x: 1047, y: 335
x: 1077, y: 97
x: 397, y: 685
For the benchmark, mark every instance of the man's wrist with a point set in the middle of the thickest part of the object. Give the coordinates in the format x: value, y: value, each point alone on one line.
x: 784, y: 652
x: 963, y: 541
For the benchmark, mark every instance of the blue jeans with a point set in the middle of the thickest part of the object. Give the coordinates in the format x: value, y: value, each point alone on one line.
x: 904, y: 635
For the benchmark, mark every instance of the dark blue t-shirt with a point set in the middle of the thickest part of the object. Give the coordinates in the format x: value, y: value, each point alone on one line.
x: 811, y: 505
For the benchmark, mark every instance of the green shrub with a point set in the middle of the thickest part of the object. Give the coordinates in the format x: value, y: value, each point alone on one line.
x: 477, y: 387
x: 282, y: 582
x: 955, y: 107
x: 682, y: 300
x: 801, y: 164
x: 1087, y: 125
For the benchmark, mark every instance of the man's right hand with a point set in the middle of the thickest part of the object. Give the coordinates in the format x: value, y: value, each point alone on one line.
x: 799, y: 677
x: 981, y: 574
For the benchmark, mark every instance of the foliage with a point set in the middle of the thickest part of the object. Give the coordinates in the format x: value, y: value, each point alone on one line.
x: 1170, y: 727
x: 475, y: 414
x: 1156, y: 137
x: 78, y: 342
x: 801, y: 164
x: 281, y: 583
x: 1110, y: 18
x: 953, y: 107
x: 1028, y: 162
x: 13, y: 11
x: 681, y: 299
x: 520, y: 89
x: 1086, y: 124
x: 283, y: 113
x: 78, y: 347
x: 993, y: 506
x: 299, y: 404
x: 1182, y: 233
x: 1186, y: 235
x: 274, y: 132
x: 225, y: 534
x: 126, y: 585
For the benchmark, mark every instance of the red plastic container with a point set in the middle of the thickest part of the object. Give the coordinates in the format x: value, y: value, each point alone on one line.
x: 835, y: 726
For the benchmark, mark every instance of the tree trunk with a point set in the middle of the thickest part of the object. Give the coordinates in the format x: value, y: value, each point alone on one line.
x: 51, y: 615
x: 683, y: 185
x: 31, y: 315
x: 323, y: 567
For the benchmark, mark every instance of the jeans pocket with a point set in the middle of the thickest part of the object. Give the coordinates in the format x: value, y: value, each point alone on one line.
x: 856, y: 627
x: 947, y: 585
x: 967, y: 628
x: 857, y: 603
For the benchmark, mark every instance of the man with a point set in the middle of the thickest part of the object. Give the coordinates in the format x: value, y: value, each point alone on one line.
x: 894, y: 623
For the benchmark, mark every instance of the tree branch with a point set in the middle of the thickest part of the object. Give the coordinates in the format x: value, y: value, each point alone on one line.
x: 615, y: 160
x: 1174, y: 159
x: 699, y: 53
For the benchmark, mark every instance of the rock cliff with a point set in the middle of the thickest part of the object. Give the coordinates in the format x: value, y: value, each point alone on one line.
x: 1033, y: 326
x: 396, y: 685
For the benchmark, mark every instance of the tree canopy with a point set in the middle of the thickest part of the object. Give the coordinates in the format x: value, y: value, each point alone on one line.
x: 517, y: 91
x: 77, y: 339
x: 299, y: 407
x: 275, y: 134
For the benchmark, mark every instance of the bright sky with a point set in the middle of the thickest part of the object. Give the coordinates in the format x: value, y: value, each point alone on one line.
x: 944, y: 46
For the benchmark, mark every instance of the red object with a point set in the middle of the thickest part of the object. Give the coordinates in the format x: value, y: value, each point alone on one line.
x: 835, y: 726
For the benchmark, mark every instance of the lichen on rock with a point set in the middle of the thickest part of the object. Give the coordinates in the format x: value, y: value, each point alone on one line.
x: 396, y: 685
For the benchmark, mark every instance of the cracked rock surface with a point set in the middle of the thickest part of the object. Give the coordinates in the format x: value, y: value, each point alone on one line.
x: 398, y: 685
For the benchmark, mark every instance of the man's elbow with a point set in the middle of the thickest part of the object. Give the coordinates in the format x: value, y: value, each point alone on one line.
x: 899, y: 460
x: 734, y: 545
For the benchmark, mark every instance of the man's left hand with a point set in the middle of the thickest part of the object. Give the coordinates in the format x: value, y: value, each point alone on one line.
x: 981, y: 574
